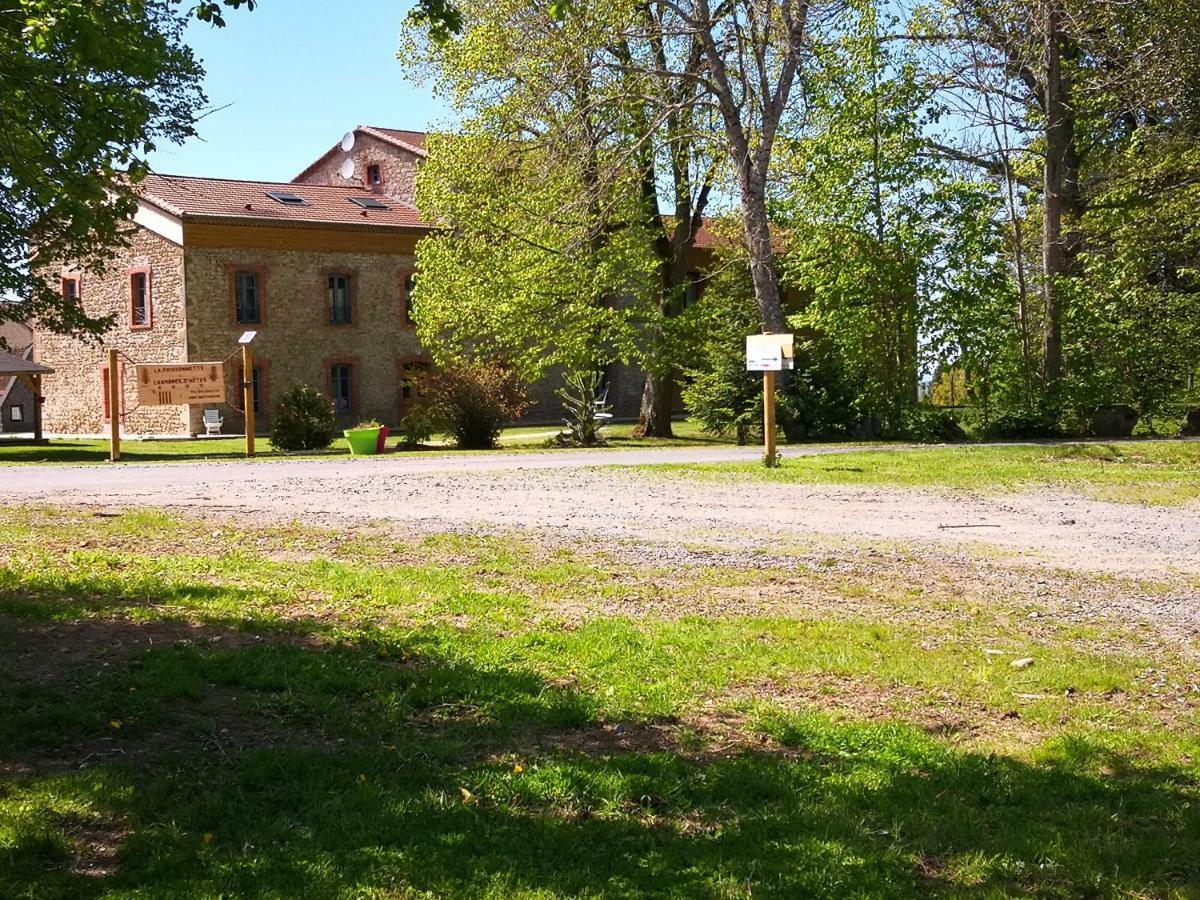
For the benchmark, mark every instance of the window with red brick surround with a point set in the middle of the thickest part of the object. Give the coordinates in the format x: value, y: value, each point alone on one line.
x: 261, y: 369
x: 408, y: 282
x: 71, y: 285
x: 104, y: 390
x: 243, y: 279
x: 141, y: 303
x: 341, y: 292
x: 341, y: 383
x: 408, y: 381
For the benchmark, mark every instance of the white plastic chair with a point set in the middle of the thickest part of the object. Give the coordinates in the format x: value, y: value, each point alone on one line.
x: 213, y: 421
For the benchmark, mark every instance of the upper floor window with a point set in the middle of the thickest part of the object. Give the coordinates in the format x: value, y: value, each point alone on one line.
x: 374, y: 176
x: 70, y: 288
x: 410, y: 286
x: 339, y: 299
x: 341, y: 385
x: 140, y: 313
x: 247, y: 300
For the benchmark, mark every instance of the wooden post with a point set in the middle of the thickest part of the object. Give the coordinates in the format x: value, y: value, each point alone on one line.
x: 36, y: 384
x: 248, y: 396
x: 114, y: 407
x: 769, y: 419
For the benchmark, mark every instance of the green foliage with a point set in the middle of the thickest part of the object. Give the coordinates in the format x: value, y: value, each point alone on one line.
x: 580, y: 394
x: 88, y: 88
x: 1135, y: 310
x: 1023, y: 425
x: 930, y: 425
x: 304, y: 420
x: 812, y: 400
x: 474, y: 401
x: 418, y: 426
x: 895, y: 257
x: 720, y: 394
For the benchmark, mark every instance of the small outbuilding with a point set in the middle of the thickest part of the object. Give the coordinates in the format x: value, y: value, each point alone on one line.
x: 14, y: 369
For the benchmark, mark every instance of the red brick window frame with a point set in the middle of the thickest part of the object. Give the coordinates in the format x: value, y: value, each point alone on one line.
x: 262, y: 397
x: 408, y: 281
x: 104, y: 390
x: 341, y: 309
x: 374, y: 175
x: 331, y: 389
x: 141, y: 298
x: 408, y: 381
x: 259, y: 274
x: 72, y: 287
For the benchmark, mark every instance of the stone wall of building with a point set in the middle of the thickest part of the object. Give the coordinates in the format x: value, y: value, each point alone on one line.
x: 397, y: 166
x: 295, y: 342
x: 74, y: 393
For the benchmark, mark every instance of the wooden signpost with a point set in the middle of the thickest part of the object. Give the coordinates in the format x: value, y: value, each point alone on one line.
x: 114, y: 406
x: 176, y: 384
x: 769, y: 353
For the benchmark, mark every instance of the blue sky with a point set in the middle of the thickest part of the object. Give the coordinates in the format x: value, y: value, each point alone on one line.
x: 294, y: 75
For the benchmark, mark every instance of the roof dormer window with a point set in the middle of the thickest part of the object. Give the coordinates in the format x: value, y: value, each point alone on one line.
x: 287, y: 198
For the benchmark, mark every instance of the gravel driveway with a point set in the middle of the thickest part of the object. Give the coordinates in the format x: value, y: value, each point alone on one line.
x: 597, y: 495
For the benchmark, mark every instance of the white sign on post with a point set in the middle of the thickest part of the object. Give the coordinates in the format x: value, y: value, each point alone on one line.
x: 769, y: 352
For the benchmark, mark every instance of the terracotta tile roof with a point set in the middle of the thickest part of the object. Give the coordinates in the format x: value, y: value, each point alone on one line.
x: 247, y: 202
x: 409, y: 140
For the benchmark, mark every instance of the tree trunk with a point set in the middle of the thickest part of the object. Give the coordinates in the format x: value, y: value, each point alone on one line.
x: 760, y: 252
x: 1061, y: 201
x: 657, y: 399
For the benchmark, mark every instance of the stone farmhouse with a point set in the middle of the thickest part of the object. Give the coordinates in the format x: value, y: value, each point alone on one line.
x: 322, y: 268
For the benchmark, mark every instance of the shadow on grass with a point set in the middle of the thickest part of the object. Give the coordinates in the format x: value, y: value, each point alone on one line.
x: 395, y: 763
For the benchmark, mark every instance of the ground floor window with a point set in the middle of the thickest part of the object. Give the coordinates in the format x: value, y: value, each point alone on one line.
x: 257, y: 386
x: 410, y: 382
x: 16, y: 414
x: 341, y: 381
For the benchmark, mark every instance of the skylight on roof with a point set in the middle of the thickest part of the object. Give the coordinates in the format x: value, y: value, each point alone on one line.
x: 286, y: 197
x: 369, y: 203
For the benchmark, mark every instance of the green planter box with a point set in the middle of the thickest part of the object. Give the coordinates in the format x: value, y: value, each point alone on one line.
x: 362, y: 441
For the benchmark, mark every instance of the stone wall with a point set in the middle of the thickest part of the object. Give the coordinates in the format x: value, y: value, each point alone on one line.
x: 74, y: 393
x: 295, y: 342
x: 397, y: 166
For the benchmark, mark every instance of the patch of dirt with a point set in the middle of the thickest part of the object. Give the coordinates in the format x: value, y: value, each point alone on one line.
x: 96, y: 846
x: 940, y: 713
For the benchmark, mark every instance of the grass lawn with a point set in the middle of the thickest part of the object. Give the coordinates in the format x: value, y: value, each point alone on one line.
x: 526, y: 437
x: 201, y: 709
x: 1155, y: 472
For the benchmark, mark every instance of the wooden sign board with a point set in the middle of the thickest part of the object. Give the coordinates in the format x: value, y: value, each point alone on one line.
x: 173, y: 385
x: 769, y: 352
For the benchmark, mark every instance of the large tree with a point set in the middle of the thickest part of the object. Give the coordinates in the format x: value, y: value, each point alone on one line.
x: 87, y: 89
x: 584, y: 144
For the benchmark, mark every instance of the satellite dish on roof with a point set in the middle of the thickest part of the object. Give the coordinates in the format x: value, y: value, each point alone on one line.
x: 347, y: 169
x: 348, y: 141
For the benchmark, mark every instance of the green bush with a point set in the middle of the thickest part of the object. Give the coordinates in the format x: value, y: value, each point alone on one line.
x: 930, y: 425
x: 304, y: 420
x: 473, y: 401
x: 418, y: 426
x: 1022, y: 425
